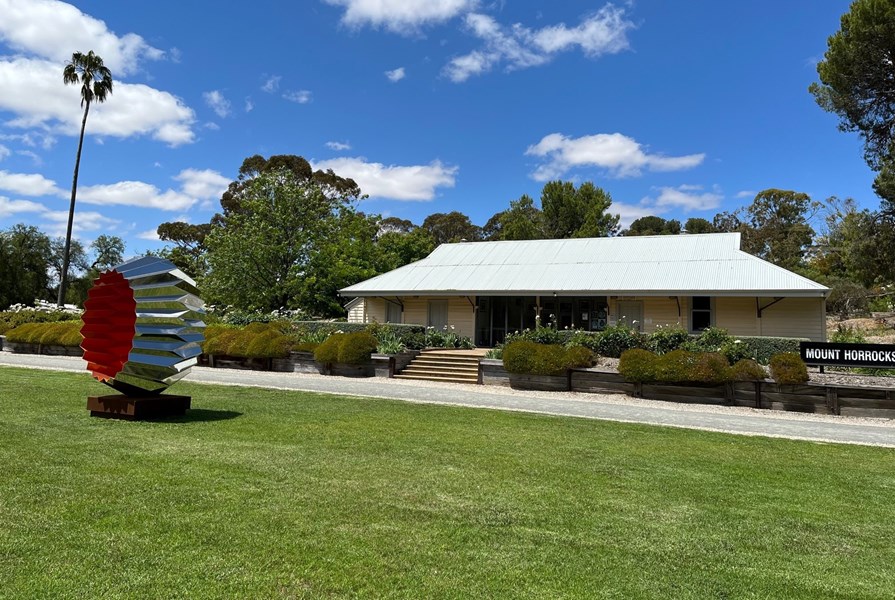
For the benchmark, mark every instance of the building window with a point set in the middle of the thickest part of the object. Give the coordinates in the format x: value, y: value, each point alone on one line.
x: 701, y: 313
x: 392, y: 312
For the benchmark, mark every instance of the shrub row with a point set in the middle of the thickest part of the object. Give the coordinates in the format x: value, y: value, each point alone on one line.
x: 532, y: 358
x: 616, y: 339
x: 257, y: 340
x: 10, y: 319
x: 347, y: 348
x: 410, y: 336
x: 684, y: 366
x: 65, y: 333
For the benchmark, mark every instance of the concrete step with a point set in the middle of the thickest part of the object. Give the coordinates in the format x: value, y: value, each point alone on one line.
x: 441, y: 365
x: 439, y: 371
x: 444, y: 378
x: 448, y: 359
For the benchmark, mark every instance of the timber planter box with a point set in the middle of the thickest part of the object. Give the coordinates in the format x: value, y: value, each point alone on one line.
x: 492, y: 372
x: 600, y: 382
x: 221, y: 361
x: 540, y: 383
x: 690, y: 393
x: 297, y: 362
x: 386, y: 365
x: 346, y: 370
x: 22, y: 348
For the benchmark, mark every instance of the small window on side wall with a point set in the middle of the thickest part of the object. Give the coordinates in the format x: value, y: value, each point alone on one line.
x: 701, y: 313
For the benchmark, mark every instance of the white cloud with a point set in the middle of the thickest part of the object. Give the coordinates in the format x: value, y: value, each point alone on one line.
x: 338, y: 146
x: 395, y: 75
x: 35, y: 158
x: 53, y: 30
x: 85, y: 221
x: 271, y: 84
x: 133, y: 109
x: 31, y: 139
x: 690, y: 197
x: 202, y: 184
x: 30, y: 184
x: 604, y: 32
x: 629, y: 213
x: 400, y: 16
x: 10, y: 207
x: 149, y: 234
x: 298, y: 96
x: 416, y: 182
x: 4, y: 152
x: 618, y: 154
x: 135, y: 193
x: 746, y: 194
x: 249, y: 105
x: 212, y: 126
x: 216, y: 101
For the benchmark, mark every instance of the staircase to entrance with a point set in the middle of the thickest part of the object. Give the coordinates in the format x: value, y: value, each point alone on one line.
x: 452, y: 366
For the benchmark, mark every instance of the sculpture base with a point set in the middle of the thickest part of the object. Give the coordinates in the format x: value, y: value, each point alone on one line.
x: 137, y: 408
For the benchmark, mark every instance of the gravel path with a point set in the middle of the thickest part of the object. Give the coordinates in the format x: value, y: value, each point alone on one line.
x: 737, y: 420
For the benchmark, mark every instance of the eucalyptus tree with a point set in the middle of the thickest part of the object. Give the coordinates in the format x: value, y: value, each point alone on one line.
x: 95, y: 79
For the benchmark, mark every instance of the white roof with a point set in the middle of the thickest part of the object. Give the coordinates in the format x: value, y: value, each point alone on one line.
x: 666, y: 265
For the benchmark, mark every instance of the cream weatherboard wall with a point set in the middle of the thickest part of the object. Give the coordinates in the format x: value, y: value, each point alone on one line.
x: 789, y: 317
x: 460, y: 313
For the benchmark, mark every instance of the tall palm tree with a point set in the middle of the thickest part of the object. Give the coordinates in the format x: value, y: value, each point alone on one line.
x: 96, y: 84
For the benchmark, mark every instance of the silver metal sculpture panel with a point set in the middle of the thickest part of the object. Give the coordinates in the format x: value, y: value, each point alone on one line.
x: 143, y: 326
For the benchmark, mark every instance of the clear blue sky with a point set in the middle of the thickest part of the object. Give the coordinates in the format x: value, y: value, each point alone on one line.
x: 675, y: 108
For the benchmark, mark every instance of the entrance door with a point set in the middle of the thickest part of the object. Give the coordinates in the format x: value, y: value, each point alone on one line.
x: 630, y: 313
x: 438, y: 314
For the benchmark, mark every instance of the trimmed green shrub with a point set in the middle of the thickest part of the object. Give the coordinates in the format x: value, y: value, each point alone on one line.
x: 531, y: 358
x: 747, y: 370
x: 25, y: 334
x: 518, y: 356
x: 220, y: 343
x: 270, y: 344
x: 710, y: 367
x: 676, y: 366
x: 681, y: 366
x: 356, y: 348
x: 348, y: 348
x: 328, y: 352
x: 47, y: 334
x: 735, y: 351
x: 638, y: 365
x: 666, y: 339
x: 579, y: 357
x: 10, y: 319
x: 257, y: 327
x: 549, y: 359
x: 615, y: 339
x: 763, y: 348
x: 787, y: 367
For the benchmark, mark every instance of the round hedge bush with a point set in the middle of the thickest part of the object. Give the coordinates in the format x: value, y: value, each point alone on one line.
x: 787, y: 367
x: 638, y: 365
x: 747, y: 370
x: 270, y: 344
x: 525, y: 357
x: 347, y: 348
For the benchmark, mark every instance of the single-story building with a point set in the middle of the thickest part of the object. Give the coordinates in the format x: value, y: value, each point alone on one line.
x: 486, y: 289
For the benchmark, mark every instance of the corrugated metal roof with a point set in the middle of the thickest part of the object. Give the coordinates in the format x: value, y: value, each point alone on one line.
x: 705, y: 264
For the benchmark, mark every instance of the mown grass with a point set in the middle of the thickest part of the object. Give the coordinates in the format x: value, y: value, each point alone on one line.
x: 276, y: 494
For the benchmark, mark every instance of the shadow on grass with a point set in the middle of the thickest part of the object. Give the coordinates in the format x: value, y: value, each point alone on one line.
x: 197, y: 415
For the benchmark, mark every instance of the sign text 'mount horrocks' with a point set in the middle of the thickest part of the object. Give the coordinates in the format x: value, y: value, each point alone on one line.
x: 880, y: 356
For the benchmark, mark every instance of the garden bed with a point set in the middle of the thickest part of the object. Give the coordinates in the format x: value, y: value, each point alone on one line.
x: 22, y: 348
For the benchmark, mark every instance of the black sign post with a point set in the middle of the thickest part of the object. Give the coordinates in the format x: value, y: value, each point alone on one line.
x: 876, y: 356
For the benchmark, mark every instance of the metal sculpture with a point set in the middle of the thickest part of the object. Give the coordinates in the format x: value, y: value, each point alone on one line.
x: 142, y: 326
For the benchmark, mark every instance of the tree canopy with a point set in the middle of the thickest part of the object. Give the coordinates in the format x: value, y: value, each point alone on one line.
x: 577, y: 212
x: 652, y: 225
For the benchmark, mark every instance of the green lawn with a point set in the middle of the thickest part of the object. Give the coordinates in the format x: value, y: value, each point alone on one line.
x: 275, y: 494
